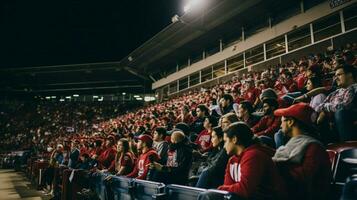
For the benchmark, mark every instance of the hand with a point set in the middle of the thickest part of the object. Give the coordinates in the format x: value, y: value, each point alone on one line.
x: 321, y: 117
x: 155, y: 165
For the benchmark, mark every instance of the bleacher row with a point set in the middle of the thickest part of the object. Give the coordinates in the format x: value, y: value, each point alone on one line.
x: 343, y: 157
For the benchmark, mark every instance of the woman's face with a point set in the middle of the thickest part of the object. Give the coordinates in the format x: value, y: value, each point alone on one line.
x: 215, y: 139
x: 120, y: 146
x: 309, y: 85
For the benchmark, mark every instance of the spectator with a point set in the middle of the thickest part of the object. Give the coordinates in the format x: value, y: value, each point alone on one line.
x: 202, y: 111
x: 203, y: 140
x: 124, y: 160
x: 316, y: 100
x: 252, y: 93
x: 228, y: 119
x: 342, y: 103
x: 160, y: 145
x: 303, y: 161
x: 178, y: 163
x: 106, y: 158
x: 74, y: 155
x: 185, y: 115
x: 268, y: 124
x: 147, y: 155
x: 250, y: 172
x: 245, y: 111
x: 211, y: 172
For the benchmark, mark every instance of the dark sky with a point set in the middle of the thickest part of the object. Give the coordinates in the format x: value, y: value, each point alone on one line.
x: 35, y: 33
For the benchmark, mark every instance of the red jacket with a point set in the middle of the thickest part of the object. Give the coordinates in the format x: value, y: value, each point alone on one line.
x: 251, y: 95
x: 106, y: 158
x: 268, y: 126
x: 203, y: 141
x: 310, y: 179
x: 253, y: 175
x: 141, y: 169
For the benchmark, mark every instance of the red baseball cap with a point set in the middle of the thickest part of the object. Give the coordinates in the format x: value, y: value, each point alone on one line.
x: 145, y: 138
x: 300, y: 111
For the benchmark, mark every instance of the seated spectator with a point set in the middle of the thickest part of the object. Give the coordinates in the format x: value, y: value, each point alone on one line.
x: 269, y: 124
x: 185, y: 115
x: 245, y: 111
x: 252, y: 93
x: 211, y: 172
x: 160, y: 145
x: 227, y: 104
x: 178, y: 164
x: 74, y: 154
x: 124, y: 160
x: 228, y: 119
x: 316, y: 100
x: 203, y: 140
x: 342, y: 103
x: 147, y: 155
x: 250, y: 172
x: 106, y: 158
x: 202, y: 111
x: 303, y: 161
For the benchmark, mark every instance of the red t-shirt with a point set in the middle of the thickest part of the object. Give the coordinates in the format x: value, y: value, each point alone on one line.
x: 141, y: 169
x: 203, y: 141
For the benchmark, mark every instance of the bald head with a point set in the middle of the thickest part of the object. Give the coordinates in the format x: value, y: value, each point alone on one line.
x: 177, y: 137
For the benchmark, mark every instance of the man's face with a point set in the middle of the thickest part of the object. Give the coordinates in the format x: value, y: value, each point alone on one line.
x: 267, y: 109
x: 286, y: 126
x: 199, y: 112
x: 224, y: 103
x: 340, y: 78
x: 206, y: 124
x: 229, y: 145
x: 241, y: 111
x: 139, y: 145
x: 156, y: 136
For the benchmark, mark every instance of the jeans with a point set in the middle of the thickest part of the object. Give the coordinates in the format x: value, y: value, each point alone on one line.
x: 203, y: 179
x: 345, y: 124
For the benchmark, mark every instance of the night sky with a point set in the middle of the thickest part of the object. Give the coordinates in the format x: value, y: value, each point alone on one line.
x: 36, y: 33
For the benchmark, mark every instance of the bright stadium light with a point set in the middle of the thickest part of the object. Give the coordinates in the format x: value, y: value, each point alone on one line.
x: 136, y: 96
x: 53, y: 97
x: 68, y: 97
x: 76, y: 95
x: 123, y: 93
x: 95, y: 97
x: 191, y: 4
x: 61, y: 100
x: 48, y: 97
x: 148, y: 99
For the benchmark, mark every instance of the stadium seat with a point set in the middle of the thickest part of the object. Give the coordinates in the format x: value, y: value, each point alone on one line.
x: 345, y: 166
x: 122, y: 188
x: 147, y: 190
x: 350, y: 188
x: 177, y: 192
x: 72, y: 184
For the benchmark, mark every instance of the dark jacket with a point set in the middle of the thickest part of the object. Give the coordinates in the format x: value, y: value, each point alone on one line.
x: 178, y: 164
x: 215, y: 166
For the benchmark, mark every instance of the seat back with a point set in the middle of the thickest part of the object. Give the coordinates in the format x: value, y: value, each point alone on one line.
x: 346, y: 165
x: 121, y: 188
x: 350, y: 188
x: 145, y: 190
x: 332, y: 154
x: 177, y: 192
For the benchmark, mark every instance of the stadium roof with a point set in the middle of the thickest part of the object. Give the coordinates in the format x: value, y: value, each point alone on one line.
x: 191, y: 33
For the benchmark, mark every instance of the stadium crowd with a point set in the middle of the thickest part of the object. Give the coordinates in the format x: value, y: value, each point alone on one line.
x: 259, y: 136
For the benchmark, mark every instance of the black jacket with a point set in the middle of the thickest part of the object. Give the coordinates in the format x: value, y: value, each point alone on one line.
x: 177, y: 168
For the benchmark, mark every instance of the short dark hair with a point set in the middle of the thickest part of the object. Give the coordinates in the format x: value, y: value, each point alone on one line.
x: 347, y: 69
x: 271, y: 102
x: 212, y: 120
x: 246, y: 105
x: 228, y: 97
x: 316, y: 81
x: 204, y: 109
x: 219, y: 132
x: 161, y: 131
x: 243, y: 133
